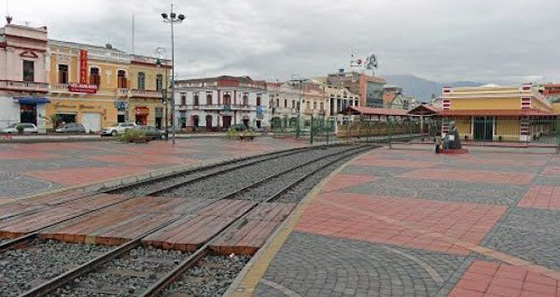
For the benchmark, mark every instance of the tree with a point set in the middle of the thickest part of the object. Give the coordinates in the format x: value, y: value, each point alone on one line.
x: 53, y: 119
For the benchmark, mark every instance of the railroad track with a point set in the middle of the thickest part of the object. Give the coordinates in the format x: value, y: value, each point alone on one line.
x: 147, y: 188
x: 109, y: 273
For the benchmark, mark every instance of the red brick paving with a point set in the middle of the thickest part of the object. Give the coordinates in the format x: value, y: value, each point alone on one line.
x: 73, y: 177
x: 145, y: 159
x: 464, y: 221
x: 551, y: 170
x: 24, y: 155
x: 373, y: 160
x: 485, y: 279
x: 541, y: 197
x: 470, y: 176
x: 342, y: 180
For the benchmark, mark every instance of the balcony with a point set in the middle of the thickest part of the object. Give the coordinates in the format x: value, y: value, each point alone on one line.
x: 145, y: 94
x: 122, y: 92
x: 24, y: 86
x: 218, y: 107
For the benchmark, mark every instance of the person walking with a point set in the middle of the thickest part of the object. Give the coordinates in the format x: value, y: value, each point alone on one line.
x: 438, y: 142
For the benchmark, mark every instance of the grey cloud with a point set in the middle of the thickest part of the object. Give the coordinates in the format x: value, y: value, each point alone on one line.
x: 437, y: 39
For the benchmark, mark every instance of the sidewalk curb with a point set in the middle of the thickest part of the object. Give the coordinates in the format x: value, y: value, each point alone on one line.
x: 246, y: 282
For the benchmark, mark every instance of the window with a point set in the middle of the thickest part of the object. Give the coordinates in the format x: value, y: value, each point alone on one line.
x: 314, y: 105
x: 159, y: 82
x: 183, y: 99
x: 277, y: 102
x: 285, y: 103
x: 258, y: 100
x: 94, y: 77
x: 322, y: 106
x: 141, y: 81
x: 293, y: 103
x: 195, y: 99
x: 62, y: 74
x: 121, y: 79
x: 209, y: 99
x: 308, y: 105
x: 227, y: 99
x: 28, y: 70
x: 246, y: 99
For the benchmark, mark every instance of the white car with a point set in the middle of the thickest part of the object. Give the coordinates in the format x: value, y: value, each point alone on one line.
x: 27, y: 128
x: 117, y: 129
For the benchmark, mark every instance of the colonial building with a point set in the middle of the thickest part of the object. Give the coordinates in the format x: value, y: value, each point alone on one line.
x: 23, y: 79
x: 216, y: 103
x: 393, y: 97
x: 100, y: 86
x: 314, y: 101
x: 494, y: 113
x: 284, y: 104
x: 369, y: 88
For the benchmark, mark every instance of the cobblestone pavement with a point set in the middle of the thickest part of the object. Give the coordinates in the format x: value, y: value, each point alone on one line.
x: 411, y: 223
x: 27, y: 169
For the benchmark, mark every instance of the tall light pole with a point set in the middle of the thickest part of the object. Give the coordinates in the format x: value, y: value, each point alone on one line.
x: 172, y: 18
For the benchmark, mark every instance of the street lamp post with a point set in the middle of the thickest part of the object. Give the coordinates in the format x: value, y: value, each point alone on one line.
x: 172, y: 18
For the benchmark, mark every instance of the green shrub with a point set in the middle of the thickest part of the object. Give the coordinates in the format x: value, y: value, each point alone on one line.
x: 19, y: 129
x: 132, y: 135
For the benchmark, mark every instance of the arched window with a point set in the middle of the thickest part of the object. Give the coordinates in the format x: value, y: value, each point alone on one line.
x: 94, y: 77
x: 208, y: 99
x: 195, y: 99
x: 183, y: 99
x: 141, y: 81
x: 246, y: 99
x: 227, y: 99
x: 258, y: 100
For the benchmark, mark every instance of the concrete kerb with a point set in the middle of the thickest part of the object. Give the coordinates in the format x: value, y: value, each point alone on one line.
x: 246, y: 282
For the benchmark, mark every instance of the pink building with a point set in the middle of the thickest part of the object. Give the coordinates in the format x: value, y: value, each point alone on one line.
x: 23, y: 76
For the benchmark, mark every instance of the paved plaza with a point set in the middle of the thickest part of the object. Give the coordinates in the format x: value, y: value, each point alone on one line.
x: 28, y: 169
x: 411, y: 223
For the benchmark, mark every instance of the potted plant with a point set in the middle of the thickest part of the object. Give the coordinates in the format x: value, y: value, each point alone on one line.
x: 19, y: 129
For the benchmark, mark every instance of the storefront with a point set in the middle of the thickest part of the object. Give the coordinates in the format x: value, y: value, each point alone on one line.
x: 141, y: 114
x: 32, y: 110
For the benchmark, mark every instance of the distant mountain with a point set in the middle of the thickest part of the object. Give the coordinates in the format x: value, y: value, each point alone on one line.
x: 422, y: 89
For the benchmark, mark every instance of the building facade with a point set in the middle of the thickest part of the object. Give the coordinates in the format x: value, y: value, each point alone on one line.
x: 100, y: 86
x: 23, y: 75
x: 284, y: 104
x: 369, y: 88
x: 314, y: 101
x: 497, y: 113
x: 216, y: 103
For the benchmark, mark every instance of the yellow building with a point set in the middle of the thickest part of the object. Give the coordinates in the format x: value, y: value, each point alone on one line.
x: 100, y: 86
x: 498, y: 113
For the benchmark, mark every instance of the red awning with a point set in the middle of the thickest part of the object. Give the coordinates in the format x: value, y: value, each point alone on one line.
x: 141, y: 110
x: 498, y: 112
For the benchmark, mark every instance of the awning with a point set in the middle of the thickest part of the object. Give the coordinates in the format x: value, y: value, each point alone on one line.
x: 497, y: 112
x: 32, y: 100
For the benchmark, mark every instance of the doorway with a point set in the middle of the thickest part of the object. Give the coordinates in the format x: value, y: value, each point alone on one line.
x: 28, y: 113
x: 483, y: 128
x: 227, y: 121
x: 208, y: 122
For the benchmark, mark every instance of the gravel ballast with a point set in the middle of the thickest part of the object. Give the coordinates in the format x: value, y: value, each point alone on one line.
x: 211, y: 277
x: 229, y: 182
x: 23, y: 269
x: 128, y: 275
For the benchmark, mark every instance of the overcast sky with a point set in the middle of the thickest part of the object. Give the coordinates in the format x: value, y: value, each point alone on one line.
x: 442, y: 40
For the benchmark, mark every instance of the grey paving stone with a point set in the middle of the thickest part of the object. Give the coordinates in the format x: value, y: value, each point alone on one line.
x: 530, y: 234
x: 550, y: 180
x: 57, y: 164
x: 456, y: 191
x: 338, y: 267
x: 13, y: 185
x: 375, y: 170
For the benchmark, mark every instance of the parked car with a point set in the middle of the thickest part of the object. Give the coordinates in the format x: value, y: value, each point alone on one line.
x: 150, y: 131
x: 117, y: 129
x: 71, y: 128
x: 27, y: 128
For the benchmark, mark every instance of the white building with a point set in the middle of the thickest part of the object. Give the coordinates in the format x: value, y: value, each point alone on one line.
x: 284, y: 104
x: 216, y: 103
x: 23, y: 79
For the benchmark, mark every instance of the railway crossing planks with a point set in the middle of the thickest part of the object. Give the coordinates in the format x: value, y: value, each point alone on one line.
x: 190, y: 233
x: 250, y: 234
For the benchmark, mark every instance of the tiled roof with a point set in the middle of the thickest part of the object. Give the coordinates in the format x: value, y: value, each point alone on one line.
x: 375, y: 111
x: 430, y: 108
x: 496, y: 112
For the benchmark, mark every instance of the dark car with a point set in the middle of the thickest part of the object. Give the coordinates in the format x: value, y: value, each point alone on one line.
x: 150, y: 131
x: 71, y: 128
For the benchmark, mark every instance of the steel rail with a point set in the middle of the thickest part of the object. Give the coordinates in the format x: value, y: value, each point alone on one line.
x: 78, y: 271
x: 173, y: 275
x: 33, y: 234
